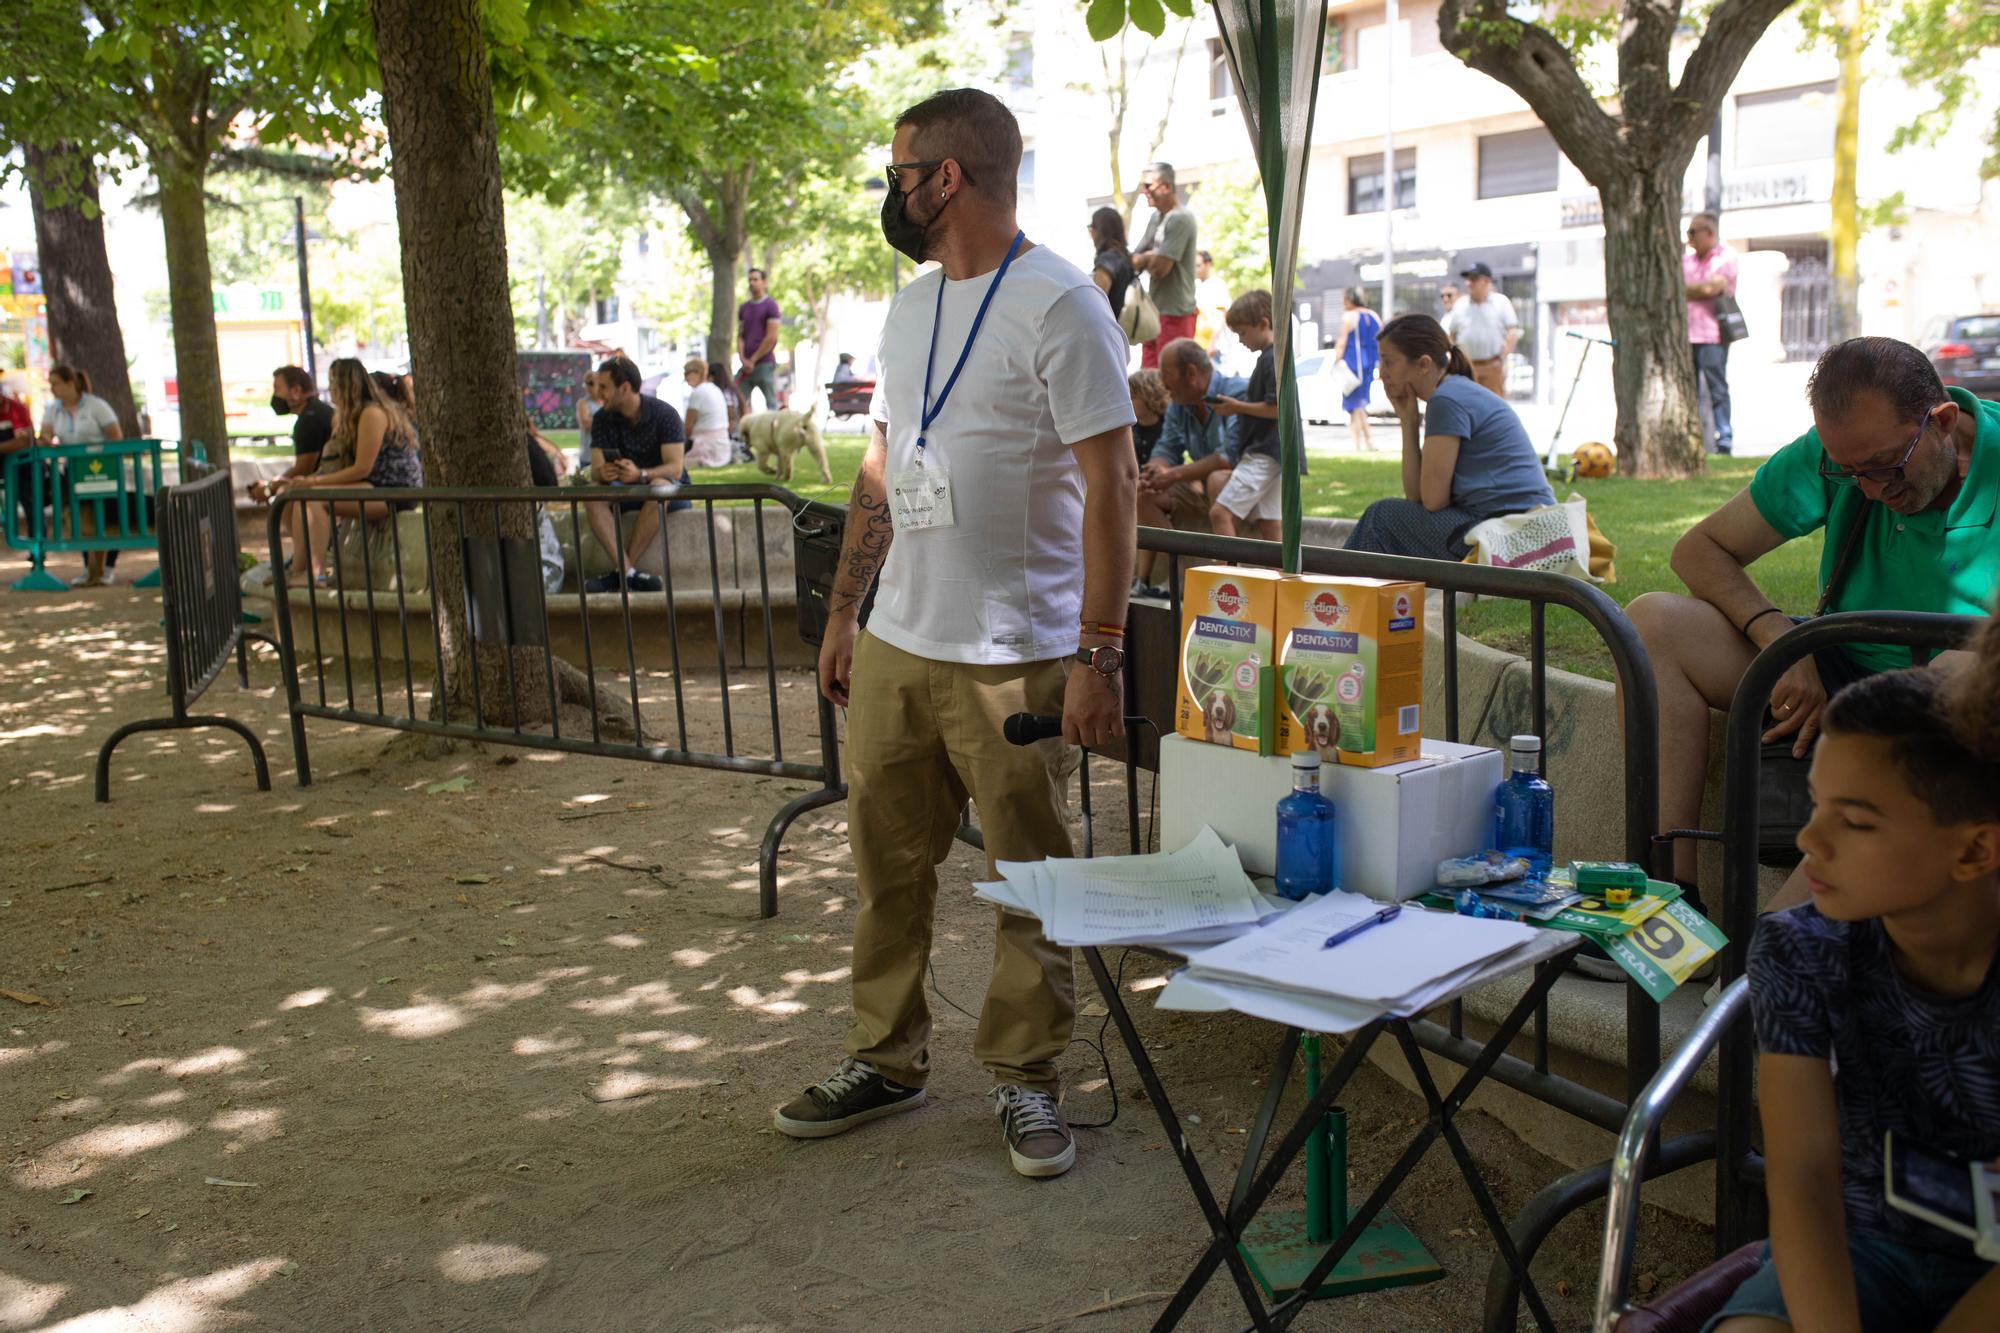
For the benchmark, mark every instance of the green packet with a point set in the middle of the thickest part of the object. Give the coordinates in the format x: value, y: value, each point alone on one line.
x: 1594, y: 916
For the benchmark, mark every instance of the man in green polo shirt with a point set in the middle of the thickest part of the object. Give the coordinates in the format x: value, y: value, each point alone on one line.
x: 1904, y: 476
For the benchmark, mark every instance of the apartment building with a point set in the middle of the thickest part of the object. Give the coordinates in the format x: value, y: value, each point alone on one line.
x: 1476, y: 177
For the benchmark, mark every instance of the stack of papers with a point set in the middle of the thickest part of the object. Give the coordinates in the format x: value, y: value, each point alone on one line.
x: 1187, y: 899
x: 1281, y: 971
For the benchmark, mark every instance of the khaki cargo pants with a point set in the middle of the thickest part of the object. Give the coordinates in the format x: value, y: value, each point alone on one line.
x: 922, y: 737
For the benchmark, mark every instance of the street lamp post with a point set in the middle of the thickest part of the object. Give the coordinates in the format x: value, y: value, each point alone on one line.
x: 1389, y: 164
x: 305, y: 282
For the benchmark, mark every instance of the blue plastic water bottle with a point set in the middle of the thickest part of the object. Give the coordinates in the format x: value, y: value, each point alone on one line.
x: 1306, y: 846
x: 1524, y: 809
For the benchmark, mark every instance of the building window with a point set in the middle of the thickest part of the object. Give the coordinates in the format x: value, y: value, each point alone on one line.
x: 1523, y: 162
x: 1785, y: 125
x: 1221, y: 88
x: 1805, y: 296
x: 1333, y: 56
x: 1364, y: 181
x: 1371, y: 43
x: 1020, y: 75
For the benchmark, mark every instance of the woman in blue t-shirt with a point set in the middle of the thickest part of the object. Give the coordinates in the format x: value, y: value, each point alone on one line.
x: 1474, y: 460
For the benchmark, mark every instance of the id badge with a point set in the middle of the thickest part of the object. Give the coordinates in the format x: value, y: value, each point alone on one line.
x: 920, y: 498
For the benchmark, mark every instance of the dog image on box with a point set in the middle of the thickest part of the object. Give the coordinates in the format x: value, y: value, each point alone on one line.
x: 1350, y: 662
x: 775, y: 437
x: 1322, y: 730
x: 1222, y: 695
x: 1220, y: 719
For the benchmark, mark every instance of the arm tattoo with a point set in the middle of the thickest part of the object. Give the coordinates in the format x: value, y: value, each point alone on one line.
x: 869, y: 528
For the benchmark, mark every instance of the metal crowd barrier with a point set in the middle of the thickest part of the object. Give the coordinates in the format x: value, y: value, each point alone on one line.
x: 506, y: 600
x: 1739, y: 1171
x: 65, y: 487
x: 1540, y: 590
x: 203, y: 610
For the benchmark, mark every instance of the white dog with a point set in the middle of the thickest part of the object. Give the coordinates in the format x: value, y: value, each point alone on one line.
x: 775, y: 437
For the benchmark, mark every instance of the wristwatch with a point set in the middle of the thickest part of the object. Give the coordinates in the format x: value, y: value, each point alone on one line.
x: 1105, y: 660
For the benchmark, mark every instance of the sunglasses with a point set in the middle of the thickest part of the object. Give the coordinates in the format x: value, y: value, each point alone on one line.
x: 895, y: 171
x: 1880, y: 476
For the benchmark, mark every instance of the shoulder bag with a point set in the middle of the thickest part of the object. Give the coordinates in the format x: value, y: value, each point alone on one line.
x: 1139, y: 319
x: 1729, y: 319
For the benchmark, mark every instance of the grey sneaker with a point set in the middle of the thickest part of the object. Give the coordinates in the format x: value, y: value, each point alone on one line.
x: 1038, y: 1138
x: 853, y: 1095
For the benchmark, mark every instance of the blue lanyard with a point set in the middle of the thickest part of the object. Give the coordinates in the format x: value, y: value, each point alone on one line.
x: 931, y: 409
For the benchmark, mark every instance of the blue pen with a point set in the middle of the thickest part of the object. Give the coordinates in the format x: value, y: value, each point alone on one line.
x: 1386, y: 914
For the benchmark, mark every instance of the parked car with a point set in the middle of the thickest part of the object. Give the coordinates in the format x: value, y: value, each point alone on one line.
x: 1966, y: 352
x: 1319, y: 391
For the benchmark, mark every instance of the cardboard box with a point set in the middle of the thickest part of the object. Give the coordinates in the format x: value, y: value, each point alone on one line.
x: 1350, y: 668
x: 1394, y: 823
x: 1227, y: 677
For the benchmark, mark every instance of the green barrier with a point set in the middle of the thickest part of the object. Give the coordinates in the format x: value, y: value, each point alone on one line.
x: 82, y: 497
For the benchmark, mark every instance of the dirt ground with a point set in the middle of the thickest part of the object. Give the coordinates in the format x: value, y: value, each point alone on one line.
x: 500, y: 1053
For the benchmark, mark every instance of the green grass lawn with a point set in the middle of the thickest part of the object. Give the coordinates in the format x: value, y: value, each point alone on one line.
x: 1644, y: 519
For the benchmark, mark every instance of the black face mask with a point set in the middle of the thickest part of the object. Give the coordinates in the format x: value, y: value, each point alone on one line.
x: 904, y: 233
x: 280, y: 406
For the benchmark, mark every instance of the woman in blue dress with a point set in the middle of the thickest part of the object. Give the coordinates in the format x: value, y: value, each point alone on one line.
x: 1357, y: 350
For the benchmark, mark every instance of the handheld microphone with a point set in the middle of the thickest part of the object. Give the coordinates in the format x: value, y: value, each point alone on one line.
x: 1027, y: 728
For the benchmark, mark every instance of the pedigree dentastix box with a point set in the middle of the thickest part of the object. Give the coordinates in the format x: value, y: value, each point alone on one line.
x: 1225, y: 692
x: 1350, y: 668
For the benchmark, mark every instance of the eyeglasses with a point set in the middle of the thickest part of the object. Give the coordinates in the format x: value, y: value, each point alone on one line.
x: 1880, y: 476
x: 896, y: 169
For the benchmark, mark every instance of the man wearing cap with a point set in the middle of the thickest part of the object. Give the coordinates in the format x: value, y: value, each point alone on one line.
x: 1485, y: 327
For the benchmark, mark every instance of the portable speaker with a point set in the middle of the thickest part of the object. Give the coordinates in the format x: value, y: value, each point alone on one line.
x: 816, y: 557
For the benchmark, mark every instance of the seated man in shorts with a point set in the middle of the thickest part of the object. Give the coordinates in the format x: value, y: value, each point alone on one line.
x: 635, y: 440
x: 1190, y: 465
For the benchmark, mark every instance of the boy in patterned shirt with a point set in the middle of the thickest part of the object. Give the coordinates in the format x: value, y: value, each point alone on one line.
x: 1877, y: 1008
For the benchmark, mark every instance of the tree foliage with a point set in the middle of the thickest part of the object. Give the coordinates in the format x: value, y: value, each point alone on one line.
x: 564, y: 253
x: 1106, y: 18
x: 731, y: 113
x: 1235, y: 227
x: 1938, y: 43
x: 171, y: 84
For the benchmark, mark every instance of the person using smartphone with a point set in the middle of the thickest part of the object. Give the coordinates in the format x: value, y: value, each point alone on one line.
x: 635, y: 440
x: 1877, y: 1006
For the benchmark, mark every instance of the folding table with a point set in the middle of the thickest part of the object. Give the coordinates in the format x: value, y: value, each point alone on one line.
x: 1546, y: 955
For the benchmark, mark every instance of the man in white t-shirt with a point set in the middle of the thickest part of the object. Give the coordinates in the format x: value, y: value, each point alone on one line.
x: 996, y: 499
x: 707, y: 418
x: 1485, y: 327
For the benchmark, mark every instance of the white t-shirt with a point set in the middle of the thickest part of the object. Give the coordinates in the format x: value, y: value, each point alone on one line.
x: 708, y: 443
x: 1480, y: 327
x: 1004, y: 583
x: 85, y: 425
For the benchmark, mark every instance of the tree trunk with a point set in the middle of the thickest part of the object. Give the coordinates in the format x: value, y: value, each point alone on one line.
x: 721, y: 230
x: 1117, y: 96
x: 1652, y: 370
x: 197, y: 359
x: 76, y: 274
x: 1844, y: 226
x: 437, y: 100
